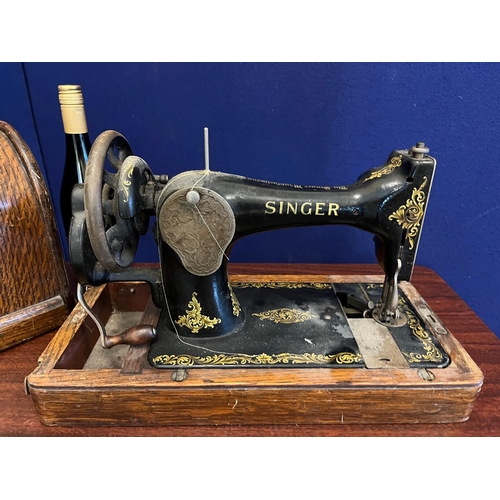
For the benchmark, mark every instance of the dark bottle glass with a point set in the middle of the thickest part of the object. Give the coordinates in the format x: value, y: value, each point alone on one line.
x: 77, y: 146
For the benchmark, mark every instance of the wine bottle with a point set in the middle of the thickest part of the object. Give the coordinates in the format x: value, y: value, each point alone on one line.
x: 77, y: 145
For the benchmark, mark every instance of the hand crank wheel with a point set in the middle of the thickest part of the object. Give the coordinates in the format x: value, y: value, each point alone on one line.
x: 114, y: 239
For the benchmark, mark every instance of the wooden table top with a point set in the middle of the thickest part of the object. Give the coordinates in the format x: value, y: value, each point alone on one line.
x: 19, y: 418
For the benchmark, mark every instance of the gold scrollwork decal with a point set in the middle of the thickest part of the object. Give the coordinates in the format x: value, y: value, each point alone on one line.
x: 275, y: 285
x: 193, y: 319
x: 127, y: 183
x: 393, y: 164
x: 235, y: 302
x: 285, y: 315
x: 342, y: 358
x: 432, y: 353
x: 410, y: 215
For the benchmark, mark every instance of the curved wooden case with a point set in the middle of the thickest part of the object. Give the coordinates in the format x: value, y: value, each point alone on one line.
x: 34, y: 290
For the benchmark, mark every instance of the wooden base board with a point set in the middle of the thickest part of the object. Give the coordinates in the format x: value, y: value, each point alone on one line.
x: 72, y: 386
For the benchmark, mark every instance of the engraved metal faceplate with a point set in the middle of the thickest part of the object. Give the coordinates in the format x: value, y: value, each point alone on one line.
x: 199, y: 233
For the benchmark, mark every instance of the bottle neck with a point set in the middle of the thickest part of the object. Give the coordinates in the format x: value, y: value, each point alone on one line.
x: 77, y: 152
x: 74, y: 119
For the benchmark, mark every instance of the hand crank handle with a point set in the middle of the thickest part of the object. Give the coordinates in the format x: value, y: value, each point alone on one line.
x: 136, y: 335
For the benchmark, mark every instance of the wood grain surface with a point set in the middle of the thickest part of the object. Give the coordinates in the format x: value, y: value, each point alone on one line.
x: 19, y: 418
x: 29, y: 242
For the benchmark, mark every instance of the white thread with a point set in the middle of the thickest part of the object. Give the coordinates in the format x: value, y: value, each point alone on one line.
x: 204, y: 222
x: 201, y: 178
x: 210, y: 231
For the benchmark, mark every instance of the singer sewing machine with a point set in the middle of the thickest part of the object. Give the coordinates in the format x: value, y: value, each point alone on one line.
x: 220, y: 349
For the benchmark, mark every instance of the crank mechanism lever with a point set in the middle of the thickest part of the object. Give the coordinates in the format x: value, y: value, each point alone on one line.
x: 136, y: 335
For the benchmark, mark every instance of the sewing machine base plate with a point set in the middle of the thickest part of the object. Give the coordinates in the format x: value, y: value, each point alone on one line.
x: 79, y: 383
x: 304, y: 325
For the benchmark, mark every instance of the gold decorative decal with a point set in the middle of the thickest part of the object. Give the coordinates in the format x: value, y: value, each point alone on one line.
x: 235, y: 302
x: 285, y: 316
x: 373, y: 286
x: 393, y: 164
x: 127, y: 183
x: 341, y: 358
x: 193, y: 319
x: 255, y: 284
x: 432, y: 353
x: 410, y: 215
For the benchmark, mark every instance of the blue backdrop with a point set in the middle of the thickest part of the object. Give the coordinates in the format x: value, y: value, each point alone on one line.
x: 301, y: 123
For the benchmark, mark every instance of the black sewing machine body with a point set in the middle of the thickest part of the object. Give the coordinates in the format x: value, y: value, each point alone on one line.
x: 206, y: 319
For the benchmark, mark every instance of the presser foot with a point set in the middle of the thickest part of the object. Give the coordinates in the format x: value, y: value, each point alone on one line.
x: 387, y: 312
x: 389, y: 318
